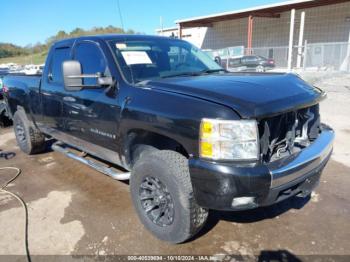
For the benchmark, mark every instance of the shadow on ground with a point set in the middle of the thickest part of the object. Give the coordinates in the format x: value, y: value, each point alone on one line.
x: 254, y: 215
x: 278, y: 255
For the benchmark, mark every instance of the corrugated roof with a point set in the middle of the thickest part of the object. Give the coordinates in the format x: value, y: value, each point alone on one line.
x: 270, y: 9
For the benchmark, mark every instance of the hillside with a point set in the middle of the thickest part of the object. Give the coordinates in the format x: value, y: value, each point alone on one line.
x: 10, y: 53
x: 37, y: 59
x: 8, y: 50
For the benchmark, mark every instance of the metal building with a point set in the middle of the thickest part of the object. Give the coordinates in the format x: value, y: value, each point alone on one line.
x: 296, y: 34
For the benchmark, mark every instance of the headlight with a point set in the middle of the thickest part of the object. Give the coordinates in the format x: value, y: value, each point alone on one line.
x: 229, y: 139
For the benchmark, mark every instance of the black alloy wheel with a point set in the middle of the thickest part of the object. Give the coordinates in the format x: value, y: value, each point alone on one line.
x: 157, y: 201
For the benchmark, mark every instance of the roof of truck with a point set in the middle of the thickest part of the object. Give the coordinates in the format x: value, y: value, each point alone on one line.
x: 109, y: 37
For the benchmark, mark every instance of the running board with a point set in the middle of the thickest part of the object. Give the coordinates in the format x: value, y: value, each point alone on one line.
x: 64, y: 149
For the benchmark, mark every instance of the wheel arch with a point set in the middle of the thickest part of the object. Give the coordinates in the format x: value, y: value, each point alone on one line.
x: 141, y: 137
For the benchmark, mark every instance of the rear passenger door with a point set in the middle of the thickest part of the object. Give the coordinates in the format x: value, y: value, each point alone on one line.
x: 52, y: 89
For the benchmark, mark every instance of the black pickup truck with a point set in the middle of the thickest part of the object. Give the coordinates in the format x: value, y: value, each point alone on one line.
x: 188, y: 135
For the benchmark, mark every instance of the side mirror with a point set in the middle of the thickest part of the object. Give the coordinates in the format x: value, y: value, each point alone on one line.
x: 73, y: 77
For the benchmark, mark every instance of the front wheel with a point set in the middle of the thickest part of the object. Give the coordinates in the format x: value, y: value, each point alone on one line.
x: 162, y: 195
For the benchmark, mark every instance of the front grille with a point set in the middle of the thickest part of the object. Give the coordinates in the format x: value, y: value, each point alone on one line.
x: 288, y: 133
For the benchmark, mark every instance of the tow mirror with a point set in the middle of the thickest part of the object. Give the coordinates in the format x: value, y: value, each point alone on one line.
x: 73, y: 77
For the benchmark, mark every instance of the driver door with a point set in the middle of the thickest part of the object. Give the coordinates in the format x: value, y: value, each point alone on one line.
x: 91, y: 114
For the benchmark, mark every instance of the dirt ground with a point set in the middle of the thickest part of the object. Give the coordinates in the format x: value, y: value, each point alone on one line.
x: 76, y: 210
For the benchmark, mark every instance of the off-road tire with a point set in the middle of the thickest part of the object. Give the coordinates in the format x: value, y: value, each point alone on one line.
x: 171, y: 169
x: 29, y: 138
x: 140, y: 150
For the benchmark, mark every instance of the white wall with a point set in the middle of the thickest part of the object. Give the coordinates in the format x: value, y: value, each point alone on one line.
x: 322, y: 24
x: 193, y: 35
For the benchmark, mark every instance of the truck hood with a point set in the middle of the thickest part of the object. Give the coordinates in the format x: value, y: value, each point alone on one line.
x: 250, y: 95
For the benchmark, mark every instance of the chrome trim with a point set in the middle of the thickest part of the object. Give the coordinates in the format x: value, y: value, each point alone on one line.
x: 290, y: 168
x: 88, y: 147
x: 59, y: 147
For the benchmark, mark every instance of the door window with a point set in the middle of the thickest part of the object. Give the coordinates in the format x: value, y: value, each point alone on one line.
x: 59, y: 56
x: 92, y: 61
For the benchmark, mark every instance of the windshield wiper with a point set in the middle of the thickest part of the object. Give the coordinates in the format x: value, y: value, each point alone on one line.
x: 209, y: 71
x: 182, y: 74
x: 197, y: 73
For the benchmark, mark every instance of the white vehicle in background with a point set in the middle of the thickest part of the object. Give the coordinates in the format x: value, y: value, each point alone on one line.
x: 9, y: 67
x: 32, y: 69
x: 4, y: 67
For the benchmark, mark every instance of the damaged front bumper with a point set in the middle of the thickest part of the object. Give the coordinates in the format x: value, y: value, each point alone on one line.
x: 217, y: 185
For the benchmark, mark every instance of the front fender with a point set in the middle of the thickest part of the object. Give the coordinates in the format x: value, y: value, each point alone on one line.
x: 170, y: 115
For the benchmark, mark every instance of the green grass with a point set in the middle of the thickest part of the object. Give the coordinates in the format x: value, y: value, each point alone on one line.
x: 23, y: 60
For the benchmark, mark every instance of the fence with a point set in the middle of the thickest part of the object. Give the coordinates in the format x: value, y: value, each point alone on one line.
x: 314, y: 56
x: 278, y: 54
x: 327, y: 56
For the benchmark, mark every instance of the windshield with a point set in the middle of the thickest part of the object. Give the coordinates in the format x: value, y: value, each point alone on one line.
x: 161, y: 58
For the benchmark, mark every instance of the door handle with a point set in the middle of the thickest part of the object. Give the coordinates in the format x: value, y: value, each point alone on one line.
x: 69, y: 99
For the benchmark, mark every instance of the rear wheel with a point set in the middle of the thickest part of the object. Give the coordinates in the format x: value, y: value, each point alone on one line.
x: 162, y: 194
x: 29, y: 138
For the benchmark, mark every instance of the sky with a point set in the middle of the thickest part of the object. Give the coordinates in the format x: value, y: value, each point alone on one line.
x: 26, y: 22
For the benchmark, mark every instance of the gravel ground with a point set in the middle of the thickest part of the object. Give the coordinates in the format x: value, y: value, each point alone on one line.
x: 76, y: 210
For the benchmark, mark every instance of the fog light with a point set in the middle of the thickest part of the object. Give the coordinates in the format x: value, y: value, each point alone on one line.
x: 243, y: 201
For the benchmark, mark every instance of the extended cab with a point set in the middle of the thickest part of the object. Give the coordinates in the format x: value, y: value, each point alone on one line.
x: 189, y: 135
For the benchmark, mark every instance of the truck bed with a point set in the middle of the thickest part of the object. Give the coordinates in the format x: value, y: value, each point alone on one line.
x: 23, y: 89
x: 22, y: 81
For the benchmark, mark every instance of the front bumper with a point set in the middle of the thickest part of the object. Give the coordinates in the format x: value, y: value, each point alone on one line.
x: 216, y: 184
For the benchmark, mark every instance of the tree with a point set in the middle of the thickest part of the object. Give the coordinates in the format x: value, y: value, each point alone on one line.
x: 10, y: 50
x: 61, y: 35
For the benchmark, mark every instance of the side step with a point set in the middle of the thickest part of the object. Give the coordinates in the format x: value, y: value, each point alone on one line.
x: 95, y: 164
